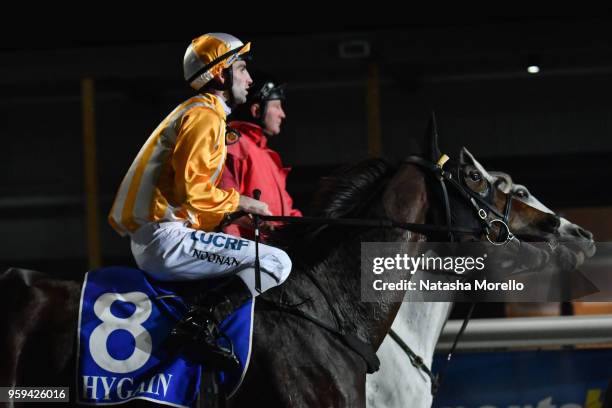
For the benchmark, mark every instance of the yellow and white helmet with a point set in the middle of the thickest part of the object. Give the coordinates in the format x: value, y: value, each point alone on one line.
x: 208, y: 55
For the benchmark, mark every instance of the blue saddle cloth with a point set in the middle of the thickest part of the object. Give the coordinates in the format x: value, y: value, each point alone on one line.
x: 124, y: 319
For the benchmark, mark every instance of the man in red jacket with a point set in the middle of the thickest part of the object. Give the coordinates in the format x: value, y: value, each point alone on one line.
x: 250, y: 163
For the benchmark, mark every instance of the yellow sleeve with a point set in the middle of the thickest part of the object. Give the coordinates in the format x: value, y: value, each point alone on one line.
x: 198, y: 155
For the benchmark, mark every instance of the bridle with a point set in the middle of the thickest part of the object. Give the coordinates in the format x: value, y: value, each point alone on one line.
x: 479, y: 205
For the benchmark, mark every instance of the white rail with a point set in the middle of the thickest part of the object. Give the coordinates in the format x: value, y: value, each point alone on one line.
x: 523, y: 332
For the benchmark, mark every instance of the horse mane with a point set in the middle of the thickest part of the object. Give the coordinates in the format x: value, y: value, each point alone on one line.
x: 347, y: 190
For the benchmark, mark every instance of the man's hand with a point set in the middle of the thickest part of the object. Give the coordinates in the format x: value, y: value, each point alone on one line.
x: 253, y: 206
x: 246, y: 222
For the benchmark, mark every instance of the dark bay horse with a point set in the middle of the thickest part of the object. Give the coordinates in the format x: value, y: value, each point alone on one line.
x: 295, y: 362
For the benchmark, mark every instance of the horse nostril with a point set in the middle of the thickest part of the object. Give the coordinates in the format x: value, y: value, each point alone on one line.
x: 552, y: 224
x: 580, y: 232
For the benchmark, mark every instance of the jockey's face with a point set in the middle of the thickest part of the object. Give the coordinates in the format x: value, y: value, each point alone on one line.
x: 241, y: 81
x: 274, y: 117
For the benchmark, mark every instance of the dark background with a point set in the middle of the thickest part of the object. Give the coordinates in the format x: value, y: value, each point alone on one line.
x: 551, y: 131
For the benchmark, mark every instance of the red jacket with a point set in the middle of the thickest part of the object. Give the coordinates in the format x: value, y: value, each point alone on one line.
x: 251, y: 165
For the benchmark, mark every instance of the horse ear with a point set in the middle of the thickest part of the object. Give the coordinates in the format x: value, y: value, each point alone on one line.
x: 432, y: 139
x: 465, y: 157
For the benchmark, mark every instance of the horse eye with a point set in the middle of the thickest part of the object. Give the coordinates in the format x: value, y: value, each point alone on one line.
x: 475, y: 176
x: 522, y: 193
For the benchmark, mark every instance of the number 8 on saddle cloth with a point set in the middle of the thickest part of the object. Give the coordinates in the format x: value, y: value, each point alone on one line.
x: 124, y: 320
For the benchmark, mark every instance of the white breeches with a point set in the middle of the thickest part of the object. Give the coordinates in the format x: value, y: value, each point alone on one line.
x: 170, y: 251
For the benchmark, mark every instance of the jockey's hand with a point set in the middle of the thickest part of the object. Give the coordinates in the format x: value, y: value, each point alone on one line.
x: 268, y: 227
x: 253, y: 206
x: 247, y: 223
x: 244, y: 222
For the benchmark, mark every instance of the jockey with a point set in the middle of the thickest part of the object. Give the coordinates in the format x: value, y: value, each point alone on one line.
x: 251, y: 164
x: 169, y: 202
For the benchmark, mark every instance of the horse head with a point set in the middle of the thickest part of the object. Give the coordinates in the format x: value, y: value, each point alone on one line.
x: 511, y: 211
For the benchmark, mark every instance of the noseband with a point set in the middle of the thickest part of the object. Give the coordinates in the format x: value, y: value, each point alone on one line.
x: 486, y: 220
